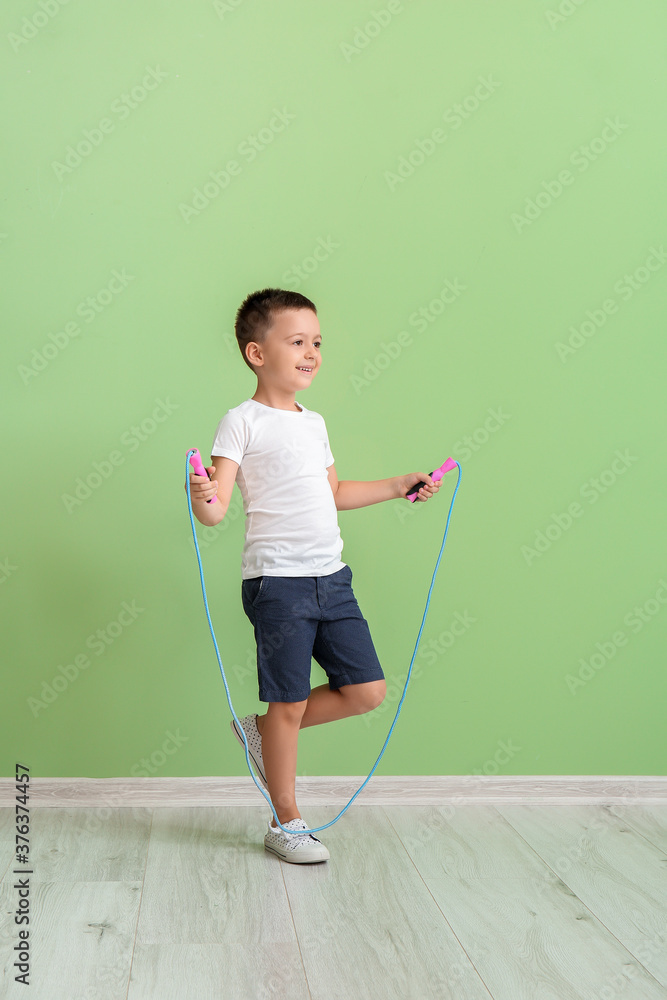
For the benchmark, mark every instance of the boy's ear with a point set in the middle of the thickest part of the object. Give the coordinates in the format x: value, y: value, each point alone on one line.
x: 253, y: 360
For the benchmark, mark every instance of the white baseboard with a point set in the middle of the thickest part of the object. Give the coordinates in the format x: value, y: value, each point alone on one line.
x: 381, y: 790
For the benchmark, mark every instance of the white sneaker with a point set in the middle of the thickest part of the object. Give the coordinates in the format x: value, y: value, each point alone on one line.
x: 249, y: 725
x: 293, y: 847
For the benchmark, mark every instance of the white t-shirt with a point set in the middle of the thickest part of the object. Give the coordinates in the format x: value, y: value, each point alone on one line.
x: 291, y: 524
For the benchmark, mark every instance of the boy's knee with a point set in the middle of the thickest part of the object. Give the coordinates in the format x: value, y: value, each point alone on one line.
x: 369, y: 695
x: 379, y: 692
x: 290, y: 711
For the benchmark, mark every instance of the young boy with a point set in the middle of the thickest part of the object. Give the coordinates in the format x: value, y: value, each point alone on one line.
x: 295, y: 589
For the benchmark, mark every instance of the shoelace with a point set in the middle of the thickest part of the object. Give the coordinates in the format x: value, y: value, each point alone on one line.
x: 293, y: 839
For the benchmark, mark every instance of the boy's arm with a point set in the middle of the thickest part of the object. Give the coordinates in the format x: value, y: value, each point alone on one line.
x: 210, y: 514
x: 349, y: 493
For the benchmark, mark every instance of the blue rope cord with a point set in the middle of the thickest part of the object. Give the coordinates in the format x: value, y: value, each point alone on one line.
x: 315, y: 829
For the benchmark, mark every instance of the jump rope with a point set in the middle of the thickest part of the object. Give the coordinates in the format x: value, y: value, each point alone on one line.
x: 194, y: 458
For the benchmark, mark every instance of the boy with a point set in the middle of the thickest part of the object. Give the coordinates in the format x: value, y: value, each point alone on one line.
x: 295, y: 589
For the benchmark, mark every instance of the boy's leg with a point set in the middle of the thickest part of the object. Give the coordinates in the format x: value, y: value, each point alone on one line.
x: 279, y: 730
x: 325, y: 705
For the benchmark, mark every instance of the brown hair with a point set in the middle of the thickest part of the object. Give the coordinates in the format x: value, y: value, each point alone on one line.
x: 256, y: 315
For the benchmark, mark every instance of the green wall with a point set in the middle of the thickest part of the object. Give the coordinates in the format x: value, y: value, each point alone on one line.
x: 485, y: 184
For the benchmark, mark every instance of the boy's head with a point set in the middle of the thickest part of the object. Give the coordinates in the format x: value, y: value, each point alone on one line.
x: 278, y: 332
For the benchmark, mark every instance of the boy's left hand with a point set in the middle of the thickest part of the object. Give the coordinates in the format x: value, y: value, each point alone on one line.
x: 408, y: 483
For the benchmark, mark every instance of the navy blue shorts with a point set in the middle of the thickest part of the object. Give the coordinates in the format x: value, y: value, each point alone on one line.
x: 300, y: 618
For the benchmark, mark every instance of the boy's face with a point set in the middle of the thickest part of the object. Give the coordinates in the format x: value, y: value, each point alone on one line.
x: 292, y: 342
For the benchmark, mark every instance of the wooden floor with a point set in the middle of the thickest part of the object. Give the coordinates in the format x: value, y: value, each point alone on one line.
x: 514, y: 902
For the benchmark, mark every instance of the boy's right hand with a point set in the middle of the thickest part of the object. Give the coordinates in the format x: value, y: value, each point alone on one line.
x: 201, y: 488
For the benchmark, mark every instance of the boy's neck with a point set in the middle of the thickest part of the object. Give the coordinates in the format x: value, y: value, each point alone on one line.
x: 276, y: 399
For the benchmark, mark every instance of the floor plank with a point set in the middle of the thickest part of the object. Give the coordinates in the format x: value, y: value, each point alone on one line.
x: 81, y: 940
x: 270, y: 971
x: 650, y: 821
x: 96, y: 845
